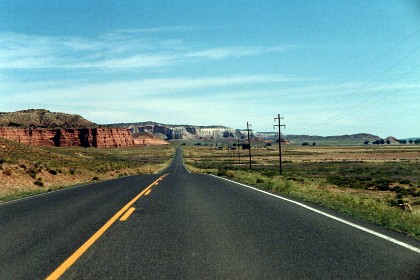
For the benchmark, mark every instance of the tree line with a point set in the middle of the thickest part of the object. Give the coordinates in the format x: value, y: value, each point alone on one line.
x: 383, y: 141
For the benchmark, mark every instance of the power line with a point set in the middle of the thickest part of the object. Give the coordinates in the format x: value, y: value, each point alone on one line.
x: 365, y: 85
x: 373, y: 62
x: 384, y: 88
x: 341, y: 115
x: 386, y: 96
x: 370, y: 64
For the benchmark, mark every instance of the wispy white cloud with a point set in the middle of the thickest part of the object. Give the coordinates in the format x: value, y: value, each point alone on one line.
x: 126, y: 49
x: 19, y: 51
x: 159, y: 99
x: 176, y: 28
x: 222, y: 53
x: 143, y: 88
x: 174, y: 97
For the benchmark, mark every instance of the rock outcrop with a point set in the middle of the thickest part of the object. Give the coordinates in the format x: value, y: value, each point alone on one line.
x: 171, y: 132
x: 146, y: 139
x: 84, y: 137
x: 35, y: 137
x: 391, y: 139
x: 111, y: 137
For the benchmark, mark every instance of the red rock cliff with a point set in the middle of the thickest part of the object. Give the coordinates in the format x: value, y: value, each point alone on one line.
x: 111, y: 137
x: 85, y: 137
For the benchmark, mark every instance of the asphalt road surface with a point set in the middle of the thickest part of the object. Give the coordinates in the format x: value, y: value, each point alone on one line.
x: 178, y: 225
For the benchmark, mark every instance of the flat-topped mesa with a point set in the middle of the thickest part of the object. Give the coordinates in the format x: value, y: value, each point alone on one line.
x: 84, y: 137
x: 181, y: 131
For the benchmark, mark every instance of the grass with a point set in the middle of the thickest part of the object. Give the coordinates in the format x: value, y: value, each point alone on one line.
x: 27, y: 170
x: 364, y: 182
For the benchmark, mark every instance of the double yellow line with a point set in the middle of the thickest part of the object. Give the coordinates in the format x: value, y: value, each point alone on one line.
x: 79, y: 252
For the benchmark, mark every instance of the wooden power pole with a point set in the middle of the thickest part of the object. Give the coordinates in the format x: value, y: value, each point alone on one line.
x: 279, y: 125
x: 249, y: 145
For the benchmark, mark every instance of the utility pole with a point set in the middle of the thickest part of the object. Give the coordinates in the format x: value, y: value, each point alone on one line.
x: 279, y: 125
x: 249, y: 145
x: 228, y: 150
x: 239, y: 153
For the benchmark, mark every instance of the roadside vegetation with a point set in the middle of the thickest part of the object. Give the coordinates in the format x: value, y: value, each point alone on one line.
x: 27, y: 170
x: 380, y: 185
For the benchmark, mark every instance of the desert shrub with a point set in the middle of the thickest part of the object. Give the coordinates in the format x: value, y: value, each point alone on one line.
x: 393, y: 202
x: 15, y: 124
x: 221, y: 172
x: 405, y: 181
x: 343, y: 181
x: 296, y: 179
x: 383, y: 188
x: 31, y: 172
x: 269, y: 173
x: 39, y: 183
x: 402, y: 191
x: 399, y: 196
x: 7, y: 172
x: 412, y: 191
x: 383, y: 184
x: 23, y: 166
x: 230, y: 174
x: 53, y: 172
x: 260, y: 180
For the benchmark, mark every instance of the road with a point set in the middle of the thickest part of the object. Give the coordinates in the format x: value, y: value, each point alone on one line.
x: 179, y: 225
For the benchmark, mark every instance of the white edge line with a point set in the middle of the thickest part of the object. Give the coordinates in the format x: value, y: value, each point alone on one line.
x: 380, y: 235
x: 183, y: 163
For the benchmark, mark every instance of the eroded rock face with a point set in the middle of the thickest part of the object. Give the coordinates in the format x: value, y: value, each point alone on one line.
x: 111, y: 137
x: 67, y: 138
x: 84, y: 137
x: 149, y: 140
x: 184, y: 131
x: 36, y: 137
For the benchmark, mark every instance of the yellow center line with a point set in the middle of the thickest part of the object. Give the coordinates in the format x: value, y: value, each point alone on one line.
x: 127, y: 214
x: 79, y: 252
x: 148, y: 192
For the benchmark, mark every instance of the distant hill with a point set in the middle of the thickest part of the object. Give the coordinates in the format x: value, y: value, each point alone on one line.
x: 360, y: 137
x: 39, y: 118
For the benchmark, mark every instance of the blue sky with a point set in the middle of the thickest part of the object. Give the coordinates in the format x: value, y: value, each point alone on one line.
x: 329, y: 67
